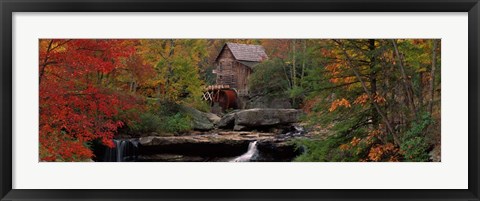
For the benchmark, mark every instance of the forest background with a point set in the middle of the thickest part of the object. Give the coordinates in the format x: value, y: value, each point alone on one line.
x: 364, y: 99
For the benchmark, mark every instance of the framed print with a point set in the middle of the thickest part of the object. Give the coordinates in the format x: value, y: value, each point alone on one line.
x: 263, y: 100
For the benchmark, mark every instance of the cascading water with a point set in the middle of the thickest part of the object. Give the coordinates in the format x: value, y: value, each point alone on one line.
x: 246, y: 157
x: 295, y: 132
x: 124, y: 151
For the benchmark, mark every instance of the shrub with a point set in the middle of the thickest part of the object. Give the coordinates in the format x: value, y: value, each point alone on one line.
x: 162, y: 117
x: 321, y: 150
x: 414, y: 145
x: 147, y: 122
x: 200, y: 105
x: 176, y: 123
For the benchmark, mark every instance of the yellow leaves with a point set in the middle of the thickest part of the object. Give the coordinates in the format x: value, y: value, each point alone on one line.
x: 363, y: 99
x: 326, y: 53
x: 349, y: 79
x: 374, y: 134
x: 417, y: 41
x: 355, y: 141
x: 380, y: 151
x: 375, y: 153
x: 360, y: 100
x: 333, y: 68
x: 379, y: 99
x: 344, y: 147
x: 393, y: 159
x: 421, y: 70
x: 376, y: 150
x: 339, y: 102
x: 334, y: 80
x: 337, y: 80
x: 56, y: 46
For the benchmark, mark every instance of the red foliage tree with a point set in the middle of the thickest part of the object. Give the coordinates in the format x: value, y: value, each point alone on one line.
x: 77, y: 103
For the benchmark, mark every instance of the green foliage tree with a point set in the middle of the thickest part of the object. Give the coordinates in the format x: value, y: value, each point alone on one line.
x: 268, y: 79
x: 371, y: 93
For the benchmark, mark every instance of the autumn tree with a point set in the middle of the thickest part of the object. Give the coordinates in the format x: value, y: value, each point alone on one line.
x: 371, y: 93
x: 76, y: 106
x: 177, y: 64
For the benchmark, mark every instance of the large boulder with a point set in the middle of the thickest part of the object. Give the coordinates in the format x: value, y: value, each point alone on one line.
x: 213, y: 118
x: 227, y: 121
x: 260, y: 117
x: 200, y: 120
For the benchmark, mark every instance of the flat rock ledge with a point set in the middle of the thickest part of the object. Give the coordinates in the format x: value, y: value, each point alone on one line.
x: 259, y: 118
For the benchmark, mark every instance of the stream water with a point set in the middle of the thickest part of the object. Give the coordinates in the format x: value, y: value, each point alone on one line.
x: 130, y: 150
x: 124, y: 151
x: 246, y: 157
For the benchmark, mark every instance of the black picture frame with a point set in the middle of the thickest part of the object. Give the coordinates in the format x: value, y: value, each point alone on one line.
x: 7, y: 7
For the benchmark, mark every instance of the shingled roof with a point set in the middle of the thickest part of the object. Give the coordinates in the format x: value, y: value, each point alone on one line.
x: 245, y: 52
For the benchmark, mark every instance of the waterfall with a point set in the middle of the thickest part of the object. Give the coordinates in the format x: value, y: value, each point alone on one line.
x: 246, y: 157
x: 295, y: 131
x: 124, y: 151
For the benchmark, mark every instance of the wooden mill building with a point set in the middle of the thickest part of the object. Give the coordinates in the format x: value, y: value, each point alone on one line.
x: 234, y: 64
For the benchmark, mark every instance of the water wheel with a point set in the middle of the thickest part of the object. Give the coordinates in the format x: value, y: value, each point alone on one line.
x: 226, y: 98
x: 221, y: 95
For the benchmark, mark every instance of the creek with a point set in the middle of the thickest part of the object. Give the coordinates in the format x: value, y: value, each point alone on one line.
x: 212, y: 146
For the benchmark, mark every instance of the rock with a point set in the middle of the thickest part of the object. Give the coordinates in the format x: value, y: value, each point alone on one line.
x: 200, y: 121
x: 216, y: 109
x: 239, y: 128
x: 123, y: 136
x: 227, y: 121
x: 170, y: 158
x: 216, y: 146
x: 228, y: 138
x: 194, y: 133
x: 260, y: 117
x: 435, y: 154
x: 277, y: 150
x: 158, y: 134
x: 219, y: 144
x: 213, y: 118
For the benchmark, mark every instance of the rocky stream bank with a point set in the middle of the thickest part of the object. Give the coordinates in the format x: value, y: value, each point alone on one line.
x: 242, y: 135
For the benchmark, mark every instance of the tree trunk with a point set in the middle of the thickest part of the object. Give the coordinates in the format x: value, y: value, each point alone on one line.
x: 169, y: 67
x: 286, y: 76
x: 373, y: 80
x: 420, y: 89
x: 303, y: 61
x: 294, y: 66
x: 432, y: 78
x: 377, y: 108
x: 406, y: 84
x: 44, y: 64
